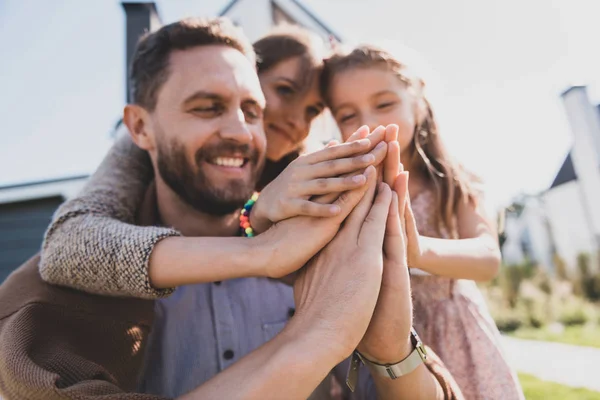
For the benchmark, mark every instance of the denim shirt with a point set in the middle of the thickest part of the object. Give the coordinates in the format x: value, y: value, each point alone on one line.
x: 202, y: 329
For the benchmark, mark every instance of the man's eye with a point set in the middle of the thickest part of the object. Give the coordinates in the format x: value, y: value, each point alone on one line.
x: 252, y: 113
x: 208, y: 111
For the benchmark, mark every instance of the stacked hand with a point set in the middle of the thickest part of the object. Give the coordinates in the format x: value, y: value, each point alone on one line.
x: 321, y: 209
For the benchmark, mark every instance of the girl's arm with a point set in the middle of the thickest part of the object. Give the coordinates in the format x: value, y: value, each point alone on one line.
x: 476, y: 255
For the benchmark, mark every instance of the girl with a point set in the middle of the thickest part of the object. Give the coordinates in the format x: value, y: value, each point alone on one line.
x: 451, y: 242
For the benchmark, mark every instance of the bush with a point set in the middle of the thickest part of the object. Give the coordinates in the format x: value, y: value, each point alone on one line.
x: 576, y: 311
x: 534, y: 313
x: 543, y: 281
x: 508, y: 323
x: 573, y: 317
x: 588, y: 280
x: 560, y: 268
x: 511, y: 277
x: 525, y: 296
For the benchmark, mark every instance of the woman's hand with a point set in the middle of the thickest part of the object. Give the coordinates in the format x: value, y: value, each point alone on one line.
x: 332, y: 170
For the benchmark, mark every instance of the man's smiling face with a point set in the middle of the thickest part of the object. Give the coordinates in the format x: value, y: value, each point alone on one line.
x: 208, y: 128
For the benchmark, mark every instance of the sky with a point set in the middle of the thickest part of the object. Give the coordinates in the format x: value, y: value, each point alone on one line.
x: 495, y: 71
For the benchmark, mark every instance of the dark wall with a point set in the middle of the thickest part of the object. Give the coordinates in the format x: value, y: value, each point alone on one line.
x: 22, y: 228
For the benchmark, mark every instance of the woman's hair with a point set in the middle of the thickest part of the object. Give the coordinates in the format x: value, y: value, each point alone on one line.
x: 428, y: 154
x: 287, y: 41
x: 282, y: 43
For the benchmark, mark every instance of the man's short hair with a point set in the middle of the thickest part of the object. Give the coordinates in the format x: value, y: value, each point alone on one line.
x: 149, y: 68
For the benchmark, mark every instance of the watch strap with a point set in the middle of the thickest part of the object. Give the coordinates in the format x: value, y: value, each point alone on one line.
x: 417, y: 356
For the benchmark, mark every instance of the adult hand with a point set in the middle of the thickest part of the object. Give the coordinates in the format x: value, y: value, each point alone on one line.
x: 290, y: 244
x: 377, y: 138
x: 387, y: 339
x: 337, y: 291
x: 334, y: 169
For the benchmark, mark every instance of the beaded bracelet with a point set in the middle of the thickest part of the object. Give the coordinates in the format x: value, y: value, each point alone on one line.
x: 245, y: 227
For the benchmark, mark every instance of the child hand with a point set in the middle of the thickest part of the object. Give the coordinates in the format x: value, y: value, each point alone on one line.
x: 376, y: 137
x: 413, y: 245
x: 314, y: 174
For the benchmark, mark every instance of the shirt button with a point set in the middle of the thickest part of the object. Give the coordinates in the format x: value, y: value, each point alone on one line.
x: 217, y: 283
x: 228, y: 354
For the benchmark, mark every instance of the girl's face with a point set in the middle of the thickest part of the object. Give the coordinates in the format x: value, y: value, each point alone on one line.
x: 372, y: 96
x: 291, y: 105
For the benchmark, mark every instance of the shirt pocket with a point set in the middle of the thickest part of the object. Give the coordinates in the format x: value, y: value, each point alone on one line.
x: 270, y: 330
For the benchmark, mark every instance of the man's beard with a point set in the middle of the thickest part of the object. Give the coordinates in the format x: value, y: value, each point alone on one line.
x: 192, y: 185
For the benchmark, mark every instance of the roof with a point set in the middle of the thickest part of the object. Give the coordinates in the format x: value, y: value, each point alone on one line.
x: 65, y: 187
x: 571, y: 88
x: 566, y: 173
x: 292, y: 8
x: 317, y: 20
x: 228, y: 7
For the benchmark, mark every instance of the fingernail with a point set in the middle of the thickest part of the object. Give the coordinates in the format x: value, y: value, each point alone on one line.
x: 334, y: 209
x: 364, y: 142
x: 380, y: 146
x: 368, y: 158
x: 358, y: 178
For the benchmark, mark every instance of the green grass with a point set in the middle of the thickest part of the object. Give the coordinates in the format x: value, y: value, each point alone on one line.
x: 577, y: 335
x: 536, y: 389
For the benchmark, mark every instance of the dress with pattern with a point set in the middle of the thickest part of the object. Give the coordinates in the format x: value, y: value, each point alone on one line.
x: 452, y: 318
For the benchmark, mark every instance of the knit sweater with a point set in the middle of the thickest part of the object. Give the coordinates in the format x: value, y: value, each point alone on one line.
x: 58, y: 343
x: 92, y: 243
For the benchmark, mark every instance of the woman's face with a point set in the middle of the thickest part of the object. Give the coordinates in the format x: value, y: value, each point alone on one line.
x: 291, y: 105
x: 372, y: 96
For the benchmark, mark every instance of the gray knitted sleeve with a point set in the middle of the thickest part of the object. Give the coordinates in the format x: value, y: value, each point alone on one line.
x: 92, y: 243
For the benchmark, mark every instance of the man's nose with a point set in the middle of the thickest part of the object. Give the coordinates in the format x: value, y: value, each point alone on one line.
x: 236, y: 128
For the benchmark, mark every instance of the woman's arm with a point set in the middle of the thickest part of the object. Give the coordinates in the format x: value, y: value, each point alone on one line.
x: 92, y: 244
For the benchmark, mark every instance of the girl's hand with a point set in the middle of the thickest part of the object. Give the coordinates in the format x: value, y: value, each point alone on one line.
x: 376, y: 137
x: 413, y: 239
x: 334, y: 169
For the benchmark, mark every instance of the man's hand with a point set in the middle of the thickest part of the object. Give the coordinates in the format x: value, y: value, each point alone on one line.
x: 337, y: 291
x: 387, y: 338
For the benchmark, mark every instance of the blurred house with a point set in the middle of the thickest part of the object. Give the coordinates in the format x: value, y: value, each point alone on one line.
x: 26, y: 209
x: 527, y: 233
x: 25, y: 212
x: 565, y: 219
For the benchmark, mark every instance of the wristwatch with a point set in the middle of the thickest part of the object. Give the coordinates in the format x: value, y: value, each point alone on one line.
x: 417, y: 356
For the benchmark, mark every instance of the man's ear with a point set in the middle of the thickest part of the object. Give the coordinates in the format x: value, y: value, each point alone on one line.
x: 139, y: 125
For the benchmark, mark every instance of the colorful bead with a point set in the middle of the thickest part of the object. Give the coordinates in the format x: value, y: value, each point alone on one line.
x: 245, y: 226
